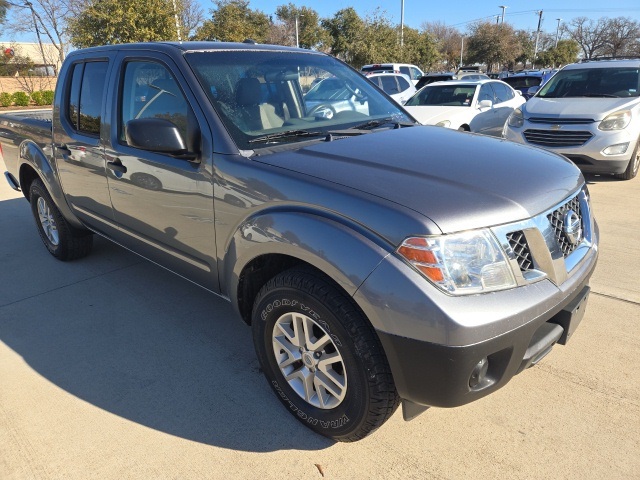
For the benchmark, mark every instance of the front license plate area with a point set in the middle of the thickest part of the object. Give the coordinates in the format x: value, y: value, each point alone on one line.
x: 571, y: 315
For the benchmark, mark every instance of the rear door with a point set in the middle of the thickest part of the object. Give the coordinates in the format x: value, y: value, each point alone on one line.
x: 79, y: 132
x: 163, y: 204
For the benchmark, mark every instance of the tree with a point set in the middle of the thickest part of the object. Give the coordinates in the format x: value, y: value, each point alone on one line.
x: 590, y: 35
x: 191, y: 17
x: 107, y: 22
x: 566, y: 52
x: 419, y: 49
x: 448, y: 41
x: 45, y: 18
x: 621, y: 35
x: 3, y: 10
x: 310, y: 32
x: 527, y: 45
x: 493, y: 44
x: 234, y: 21
x: 344, y: 30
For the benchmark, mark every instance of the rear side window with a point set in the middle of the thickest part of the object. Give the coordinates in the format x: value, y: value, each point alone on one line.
x: 405, y: 70
x: 86, y: 95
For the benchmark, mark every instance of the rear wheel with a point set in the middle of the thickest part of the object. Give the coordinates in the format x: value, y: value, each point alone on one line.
x: 634, y: 164
x: 62, y: 240
x: 322, y: 357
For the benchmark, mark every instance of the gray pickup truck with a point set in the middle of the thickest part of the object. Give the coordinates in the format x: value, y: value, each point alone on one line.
x: 377, y: 262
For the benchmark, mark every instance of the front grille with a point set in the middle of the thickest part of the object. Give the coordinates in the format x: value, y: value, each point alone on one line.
x: 561, y: 121
x: 520, y: 247
x: 556, y: 218
x: 557, y: 138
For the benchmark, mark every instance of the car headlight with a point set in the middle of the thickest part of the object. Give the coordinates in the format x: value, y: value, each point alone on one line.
x: 516, y: 119
x: 616, y: 121
x: 443, y: 123
x: 462, y: 263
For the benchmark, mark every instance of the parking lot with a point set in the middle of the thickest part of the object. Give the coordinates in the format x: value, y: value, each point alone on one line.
x: 111, y: 367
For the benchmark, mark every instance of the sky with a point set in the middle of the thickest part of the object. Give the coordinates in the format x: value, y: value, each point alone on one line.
x: 520, y: 14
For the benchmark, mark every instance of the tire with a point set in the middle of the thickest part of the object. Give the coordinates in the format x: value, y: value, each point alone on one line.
x: 350, y: 391
x: 62, y: 240
x: 634, y: 164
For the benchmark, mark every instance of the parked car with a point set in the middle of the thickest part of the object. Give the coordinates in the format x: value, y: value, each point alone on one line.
x: 434, y: 77
x: 471, y: 76
x: 524, y: 81
x: 590, y: 113
x: 481, y: 106
x: 377, y: 262
x: 397, y: 85
x: 332, y: 95
x: 411, y: 71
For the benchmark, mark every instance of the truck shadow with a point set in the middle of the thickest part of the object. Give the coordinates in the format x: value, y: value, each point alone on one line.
x: 139, y: 342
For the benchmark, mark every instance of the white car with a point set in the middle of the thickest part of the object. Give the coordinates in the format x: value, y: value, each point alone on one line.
x: 411, y: 71
x: 397, y: 85
x: 481, y: 106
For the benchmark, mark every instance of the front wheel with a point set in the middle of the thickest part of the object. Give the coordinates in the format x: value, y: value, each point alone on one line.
x: 62, y: 240
x: 634, y: 164
x: 322, y: 357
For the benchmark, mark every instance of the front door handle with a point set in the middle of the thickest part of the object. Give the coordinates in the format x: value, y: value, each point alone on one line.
x: 117, y: 166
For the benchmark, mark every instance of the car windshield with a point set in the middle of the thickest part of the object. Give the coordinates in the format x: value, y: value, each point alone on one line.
x: 443, y: 95
x: 593, y: 82
x: 267, y: 96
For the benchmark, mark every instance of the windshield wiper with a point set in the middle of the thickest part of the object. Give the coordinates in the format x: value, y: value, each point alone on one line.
x: 287, y: 134
x: 602, y: 95
x: 382, y: 121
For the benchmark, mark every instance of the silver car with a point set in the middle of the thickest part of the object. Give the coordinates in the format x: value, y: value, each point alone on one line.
x: 590, y: 113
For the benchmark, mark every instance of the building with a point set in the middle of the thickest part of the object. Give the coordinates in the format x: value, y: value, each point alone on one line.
x: 45, y: 59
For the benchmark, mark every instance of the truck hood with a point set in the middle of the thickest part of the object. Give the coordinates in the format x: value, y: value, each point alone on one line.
x: 432, y: 115
x: 588, y: 108
x: 458, y: 180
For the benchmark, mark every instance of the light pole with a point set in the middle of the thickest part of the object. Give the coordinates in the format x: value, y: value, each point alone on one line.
x: 297, y: 42
x: 558, y: 30
x: 503, y: 7
x: 401, y: 23
x: 461, y: 49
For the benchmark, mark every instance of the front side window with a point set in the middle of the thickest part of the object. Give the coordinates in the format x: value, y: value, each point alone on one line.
x: 404, y: 84
x: 486, y: 93
x: 389, y: 84
x: 150, y: 91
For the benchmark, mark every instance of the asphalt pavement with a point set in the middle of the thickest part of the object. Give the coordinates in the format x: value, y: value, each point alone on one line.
x: 113, y: 368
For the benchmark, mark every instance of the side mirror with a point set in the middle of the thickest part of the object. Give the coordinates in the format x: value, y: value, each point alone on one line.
x: 157, y: 135
x: 485, y: 104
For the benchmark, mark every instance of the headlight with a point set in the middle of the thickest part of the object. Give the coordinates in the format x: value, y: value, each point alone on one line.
x: 460, y: 264
x: 443, y: 123
x: 516, y: 119
x: 616, y: 121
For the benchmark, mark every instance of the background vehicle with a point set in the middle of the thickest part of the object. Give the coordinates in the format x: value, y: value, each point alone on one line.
x: 332, y: 95
x: 524, y: 81
x: 434, y: 77
x: 588, y: 112
x: 397, y: 85
x: 378, y: 262
x: 411, y: 71
x: 480, y: 106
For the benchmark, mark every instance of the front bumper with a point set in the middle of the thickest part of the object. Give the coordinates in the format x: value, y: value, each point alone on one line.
x: 434, y: 341
x: 590, y: 156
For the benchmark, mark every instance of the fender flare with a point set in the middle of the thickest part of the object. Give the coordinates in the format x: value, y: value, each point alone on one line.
x: 344, y: 251
x: 33, y: 156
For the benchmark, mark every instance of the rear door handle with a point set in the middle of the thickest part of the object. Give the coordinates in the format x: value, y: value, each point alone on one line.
x: 117, y: 166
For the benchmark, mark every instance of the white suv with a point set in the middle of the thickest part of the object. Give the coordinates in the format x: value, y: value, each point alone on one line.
x: 590, y: 113
x: 411, y: 71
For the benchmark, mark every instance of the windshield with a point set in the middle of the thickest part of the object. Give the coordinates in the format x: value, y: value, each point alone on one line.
x: 523, y: 82
x: 593, y: 82
x: 266, y: 97
x: 444, y: 95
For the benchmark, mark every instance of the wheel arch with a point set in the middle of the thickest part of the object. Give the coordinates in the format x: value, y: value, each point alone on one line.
x: 335, y: 251
x: 36, y: 165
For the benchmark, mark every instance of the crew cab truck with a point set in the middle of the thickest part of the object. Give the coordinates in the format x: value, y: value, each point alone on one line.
x: 378, y: 262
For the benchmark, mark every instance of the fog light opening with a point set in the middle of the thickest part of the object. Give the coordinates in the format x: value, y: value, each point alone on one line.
x: 479, y: 373
x: 617, y: 149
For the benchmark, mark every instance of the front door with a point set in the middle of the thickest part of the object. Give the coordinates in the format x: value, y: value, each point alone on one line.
x: 162, y: 204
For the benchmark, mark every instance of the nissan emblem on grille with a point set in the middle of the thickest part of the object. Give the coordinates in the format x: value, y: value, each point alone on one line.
x: 572, y: 227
